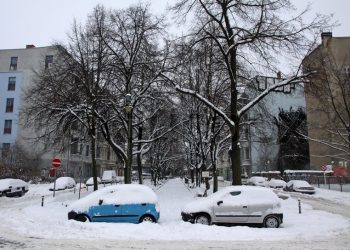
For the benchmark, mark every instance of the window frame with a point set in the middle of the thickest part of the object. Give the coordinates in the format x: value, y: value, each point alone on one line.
x: 11, y: 82
x: 9, y: 108
x: 8, y: 129
x: 13, y: 65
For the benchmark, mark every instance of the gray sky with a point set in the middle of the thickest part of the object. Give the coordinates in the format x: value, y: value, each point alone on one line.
x: 41, y: 22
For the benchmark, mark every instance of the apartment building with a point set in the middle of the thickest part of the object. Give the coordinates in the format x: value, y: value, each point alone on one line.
x: 17, y: 69
x: 328, y: 100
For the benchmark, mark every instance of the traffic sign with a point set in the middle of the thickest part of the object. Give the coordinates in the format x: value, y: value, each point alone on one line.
x: 56, y: 163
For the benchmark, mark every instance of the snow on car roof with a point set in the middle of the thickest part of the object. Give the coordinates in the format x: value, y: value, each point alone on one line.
x: 5, y: 183
x: 116, y: 194
x: 299, y: 183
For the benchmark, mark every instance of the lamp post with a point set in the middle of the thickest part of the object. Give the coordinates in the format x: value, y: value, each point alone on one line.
x: 128, y: 110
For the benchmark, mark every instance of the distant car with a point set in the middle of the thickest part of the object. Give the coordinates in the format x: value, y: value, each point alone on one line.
x: 236, y: 205
x: 109, y: 176
x: 278, y: 184
x: 13, y: 187
x: 300, y: 186
x: 63, y: 183
x: 80, y: 185
x: 90, y: 181
x: 131, y: 203
x: 257, y: 181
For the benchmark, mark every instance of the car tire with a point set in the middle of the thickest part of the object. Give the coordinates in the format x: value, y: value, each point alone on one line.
x: 147, y: 218
x: 203, y: 219
x: 82, y: 218
x: 271, y: 221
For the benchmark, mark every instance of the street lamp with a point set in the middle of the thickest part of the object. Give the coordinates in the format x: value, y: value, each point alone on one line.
x: 128, y: 109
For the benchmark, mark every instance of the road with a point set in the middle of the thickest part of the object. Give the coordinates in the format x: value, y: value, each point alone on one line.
x: 10, y: 240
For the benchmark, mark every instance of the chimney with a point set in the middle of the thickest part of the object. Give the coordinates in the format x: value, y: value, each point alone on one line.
x: 325, y: 37
x: 279, y: 75
x: 30, y: 46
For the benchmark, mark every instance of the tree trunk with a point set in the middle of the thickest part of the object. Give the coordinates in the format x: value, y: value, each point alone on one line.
x: 139, y: 162
x: 93, y: 153
x: 127, y: 174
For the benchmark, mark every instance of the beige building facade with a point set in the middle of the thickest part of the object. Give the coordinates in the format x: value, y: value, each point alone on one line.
x: 327, y: 94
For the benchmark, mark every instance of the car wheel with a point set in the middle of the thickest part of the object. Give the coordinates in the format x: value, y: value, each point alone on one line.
x: 202, y: 219
x: 147, y: 218
x: 271, y: 221
x: 83, y: 218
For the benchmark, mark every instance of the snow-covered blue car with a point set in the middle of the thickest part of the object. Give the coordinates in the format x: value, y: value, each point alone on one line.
x: 132, y: 203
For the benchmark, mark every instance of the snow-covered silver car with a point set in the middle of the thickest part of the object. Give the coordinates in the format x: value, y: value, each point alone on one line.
x: 13, y: 187
x: 276, y: 183
x: 90, y: 181
x: 300, y: 186
x: 257, y: 181
x: 62, y: 183
x: 236, y: 205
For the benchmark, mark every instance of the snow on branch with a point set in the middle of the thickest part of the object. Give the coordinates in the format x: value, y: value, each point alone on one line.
x: 294, y: 79
x: 230, y: 123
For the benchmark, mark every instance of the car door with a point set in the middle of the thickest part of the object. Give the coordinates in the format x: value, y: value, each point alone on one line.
x: 132, y: 212
x: 231, y: 208
x: 106, y: 213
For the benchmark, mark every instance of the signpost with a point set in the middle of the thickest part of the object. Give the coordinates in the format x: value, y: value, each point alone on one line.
x: 56, y: 163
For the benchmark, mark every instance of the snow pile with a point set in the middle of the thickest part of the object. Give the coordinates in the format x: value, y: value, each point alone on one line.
x: 25, y: 217
x: 116, y: 194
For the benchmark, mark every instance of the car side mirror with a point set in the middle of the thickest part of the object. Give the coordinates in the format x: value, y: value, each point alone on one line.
x: 100, y: 202
x: 219, y: 202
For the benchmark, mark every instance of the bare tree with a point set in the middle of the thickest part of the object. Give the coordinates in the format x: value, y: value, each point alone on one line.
x: 249, y: 36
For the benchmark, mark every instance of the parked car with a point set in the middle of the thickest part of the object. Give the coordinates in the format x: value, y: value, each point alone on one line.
x: 90, y: 181
x: 257, y: 181
x: 80, y: 185
x: 132, y: 203
x: 13, y: 187
x: 109, y: 176
x: 236, y: 205
x: 63, y: 183
x: 278, y: 184
x: 300, y: 186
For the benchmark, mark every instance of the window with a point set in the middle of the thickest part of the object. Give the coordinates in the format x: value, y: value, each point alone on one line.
x: 235, y: 193
x: 8, y: 127
x: 98, y: 152
x: 246, y: 153
x: 13, y: 63
x: 48, y: 61
x: 12, y: 84
x: 74, y: 146
x: 87, y: 150
x: 81, y: 149
x: 9, y: 105
x: 108, y: 153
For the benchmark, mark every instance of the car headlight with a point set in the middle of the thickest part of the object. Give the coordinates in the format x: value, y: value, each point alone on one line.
x: 157, y: 207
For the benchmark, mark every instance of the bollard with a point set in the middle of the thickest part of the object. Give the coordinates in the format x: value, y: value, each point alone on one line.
x: 42, y: 201
x: 341, y: 184
x: 299, y: 204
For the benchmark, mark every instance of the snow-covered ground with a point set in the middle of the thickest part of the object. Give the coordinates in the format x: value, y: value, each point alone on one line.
x: 25, y: 216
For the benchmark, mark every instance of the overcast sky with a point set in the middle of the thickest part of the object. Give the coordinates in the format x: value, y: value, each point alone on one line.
x: 42, y: 22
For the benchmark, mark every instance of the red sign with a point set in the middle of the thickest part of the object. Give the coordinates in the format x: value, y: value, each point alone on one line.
x: 52, y: 172
x: 323, y: 168
x: 56, y: 163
